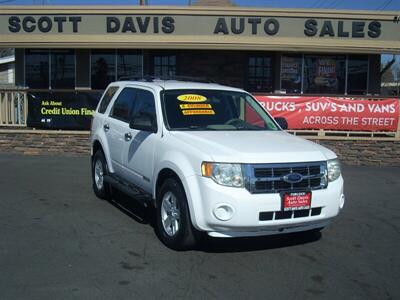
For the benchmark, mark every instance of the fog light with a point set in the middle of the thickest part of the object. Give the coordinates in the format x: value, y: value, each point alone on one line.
x: 341, y: 203
x: 223, y: 212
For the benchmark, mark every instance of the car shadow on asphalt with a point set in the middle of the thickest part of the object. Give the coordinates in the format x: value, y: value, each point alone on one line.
x: 146, y: 216
x: 229, y: 245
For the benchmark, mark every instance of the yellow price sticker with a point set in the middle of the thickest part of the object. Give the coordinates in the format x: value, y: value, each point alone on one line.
x: 192, y: 112
x: 192, y: 98
x: 189, y: 106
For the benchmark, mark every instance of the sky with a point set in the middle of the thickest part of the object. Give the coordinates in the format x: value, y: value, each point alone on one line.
x: 330, y: 4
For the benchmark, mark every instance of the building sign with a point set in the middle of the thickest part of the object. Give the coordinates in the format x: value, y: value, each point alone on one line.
x: 204, y: 25
x: 61, y: 110
x: 307, y: 112
x: 193, y: 28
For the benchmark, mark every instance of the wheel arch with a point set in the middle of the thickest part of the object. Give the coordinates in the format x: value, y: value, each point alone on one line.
x: 98, y: 145
x: 162, y: 176
x: 169, y: 170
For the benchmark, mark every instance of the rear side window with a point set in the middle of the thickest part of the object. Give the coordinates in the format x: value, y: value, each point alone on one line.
x: 107, y: 98
x: 122, y: 109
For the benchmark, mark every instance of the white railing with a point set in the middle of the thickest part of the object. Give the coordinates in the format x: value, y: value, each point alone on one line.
x: 13, y: 108
x: 347, y: 135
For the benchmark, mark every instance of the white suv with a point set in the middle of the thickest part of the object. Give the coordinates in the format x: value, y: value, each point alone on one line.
x: 210, y: 159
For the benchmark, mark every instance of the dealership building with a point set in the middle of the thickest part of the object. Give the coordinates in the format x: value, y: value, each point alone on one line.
x: 70, y: 54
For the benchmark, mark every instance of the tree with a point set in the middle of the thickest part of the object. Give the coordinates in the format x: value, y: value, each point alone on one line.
x: 387, y: 76
x: 4, y: 52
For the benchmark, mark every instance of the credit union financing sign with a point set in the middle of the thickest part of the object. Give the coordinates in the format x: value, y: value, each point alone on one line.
x: 288, y: 30
x: 61, y: 110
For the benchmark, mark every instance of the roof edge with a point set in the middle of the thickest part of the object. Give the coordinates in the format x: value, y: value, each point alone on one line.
x: 91, y: 9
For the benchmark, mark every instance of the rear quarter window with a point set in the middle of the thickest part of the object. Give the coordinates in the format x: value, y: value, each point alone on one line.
x: 108, y: 95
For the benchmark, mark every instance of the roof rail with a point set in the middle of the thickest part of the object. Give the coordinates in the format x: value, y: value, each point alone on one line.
x: 152, y: 78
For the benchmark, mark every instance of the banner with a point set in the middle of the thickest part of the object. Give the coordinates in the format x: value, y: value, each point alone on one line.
x: 61, y: 110
x: 334, y: 113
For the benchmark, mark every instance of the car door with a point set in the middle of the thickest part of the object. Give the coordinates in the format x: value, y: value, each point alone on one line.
x: 139, y: 151
x: 116, y: 125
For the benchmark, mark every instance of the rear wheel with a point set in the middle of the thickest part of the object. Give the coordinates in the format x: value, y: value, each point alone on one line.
x: 173, y: 224
x: 99, y: 169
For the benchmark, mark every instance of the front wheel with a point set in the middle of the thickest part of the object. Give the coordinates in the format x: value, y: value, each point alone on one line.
x: 173, y: 224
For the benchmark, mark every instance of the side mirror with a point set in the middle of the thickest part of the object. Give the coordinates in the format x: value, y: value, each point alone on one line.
x: 143, y: 121
x: 282, y: 122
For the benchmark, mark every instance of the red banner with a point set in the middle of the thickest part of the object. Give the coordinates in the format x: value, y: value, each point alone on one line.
x: 334, y: 113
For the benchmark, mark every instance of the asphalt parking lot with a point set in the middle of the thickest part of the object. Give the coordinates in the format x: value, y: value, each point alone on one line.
x: 58, y: 241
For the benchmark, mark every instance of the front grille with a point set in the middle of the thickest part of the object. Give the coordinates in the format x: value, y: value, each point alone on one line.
x: 283, y: 215
x: 272, y: 178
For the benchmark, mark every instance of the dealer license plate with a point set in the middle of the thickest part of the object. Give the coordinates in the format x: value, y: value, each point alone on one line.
x: 296, y: 201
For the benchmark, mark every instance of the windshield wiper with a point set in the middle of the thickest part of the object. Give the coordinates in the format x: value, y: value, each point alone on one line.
x: 248, y: 128
x: 194, y: 127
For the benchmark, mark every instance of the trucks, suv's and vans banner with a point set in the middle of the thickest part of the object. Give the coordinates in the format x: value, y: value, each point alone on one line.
x: 334, y: 113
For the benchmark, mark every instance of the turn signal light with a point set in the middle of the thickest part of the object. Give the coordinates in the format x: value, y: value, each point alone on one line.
x: 206, y: 169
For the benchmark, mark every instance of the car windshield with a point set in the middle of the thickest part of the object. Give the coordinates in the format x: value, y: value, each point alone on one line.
x: 214, y: 110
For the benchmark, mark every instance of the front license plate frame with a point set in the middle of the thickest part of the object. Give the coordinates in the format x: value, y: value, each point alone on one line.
x: 296, y: 200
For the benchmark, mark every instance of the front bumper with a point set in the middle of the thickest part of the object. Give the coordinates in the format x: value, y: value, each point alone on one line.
x: 243, y: 209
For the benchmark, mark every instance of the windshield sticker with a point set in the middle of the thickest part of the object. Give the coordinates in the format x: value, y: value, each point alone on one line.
x: 192, y: 112
x: 192, y: 98
x: 188, y: 106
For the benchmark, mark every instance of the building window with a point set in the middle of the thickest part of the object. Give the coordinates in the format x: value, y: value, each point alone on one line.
x: 62, y: 69
x: 291, y: 73
x: 37, y: 62
x: 324, y: 74
x: 102, y: 68
x: 357, y: 74
x: 164, y: 65
x: 260, y: 74
x: 129, y: 64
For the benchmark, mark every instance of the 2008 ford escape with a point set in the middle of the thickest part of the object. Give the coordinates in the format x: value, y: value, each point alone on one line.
x: 210, y: 159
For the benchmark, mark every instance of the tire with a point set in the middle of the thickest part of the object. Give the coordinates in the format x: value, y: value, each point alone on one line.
x: 100, y: 187
x: 172, y: 205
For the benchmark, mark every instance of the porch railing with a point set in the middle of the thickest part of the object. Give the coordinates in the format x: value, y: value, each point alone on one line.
x: 13, y: 108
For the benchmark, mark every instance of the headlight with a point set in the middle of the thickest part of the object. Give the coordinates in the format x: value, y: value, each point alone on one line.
x: 223, y: 173
x: 334, y: 169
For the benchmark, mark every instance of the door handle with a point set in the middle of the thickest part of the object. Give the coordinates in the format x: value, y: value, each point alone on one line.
x: 106, y: 127
x: 128, y: 136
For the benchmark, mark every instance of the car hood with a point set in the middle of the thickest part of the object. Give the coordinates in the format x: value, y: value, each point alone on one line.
x: 254, y: 146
